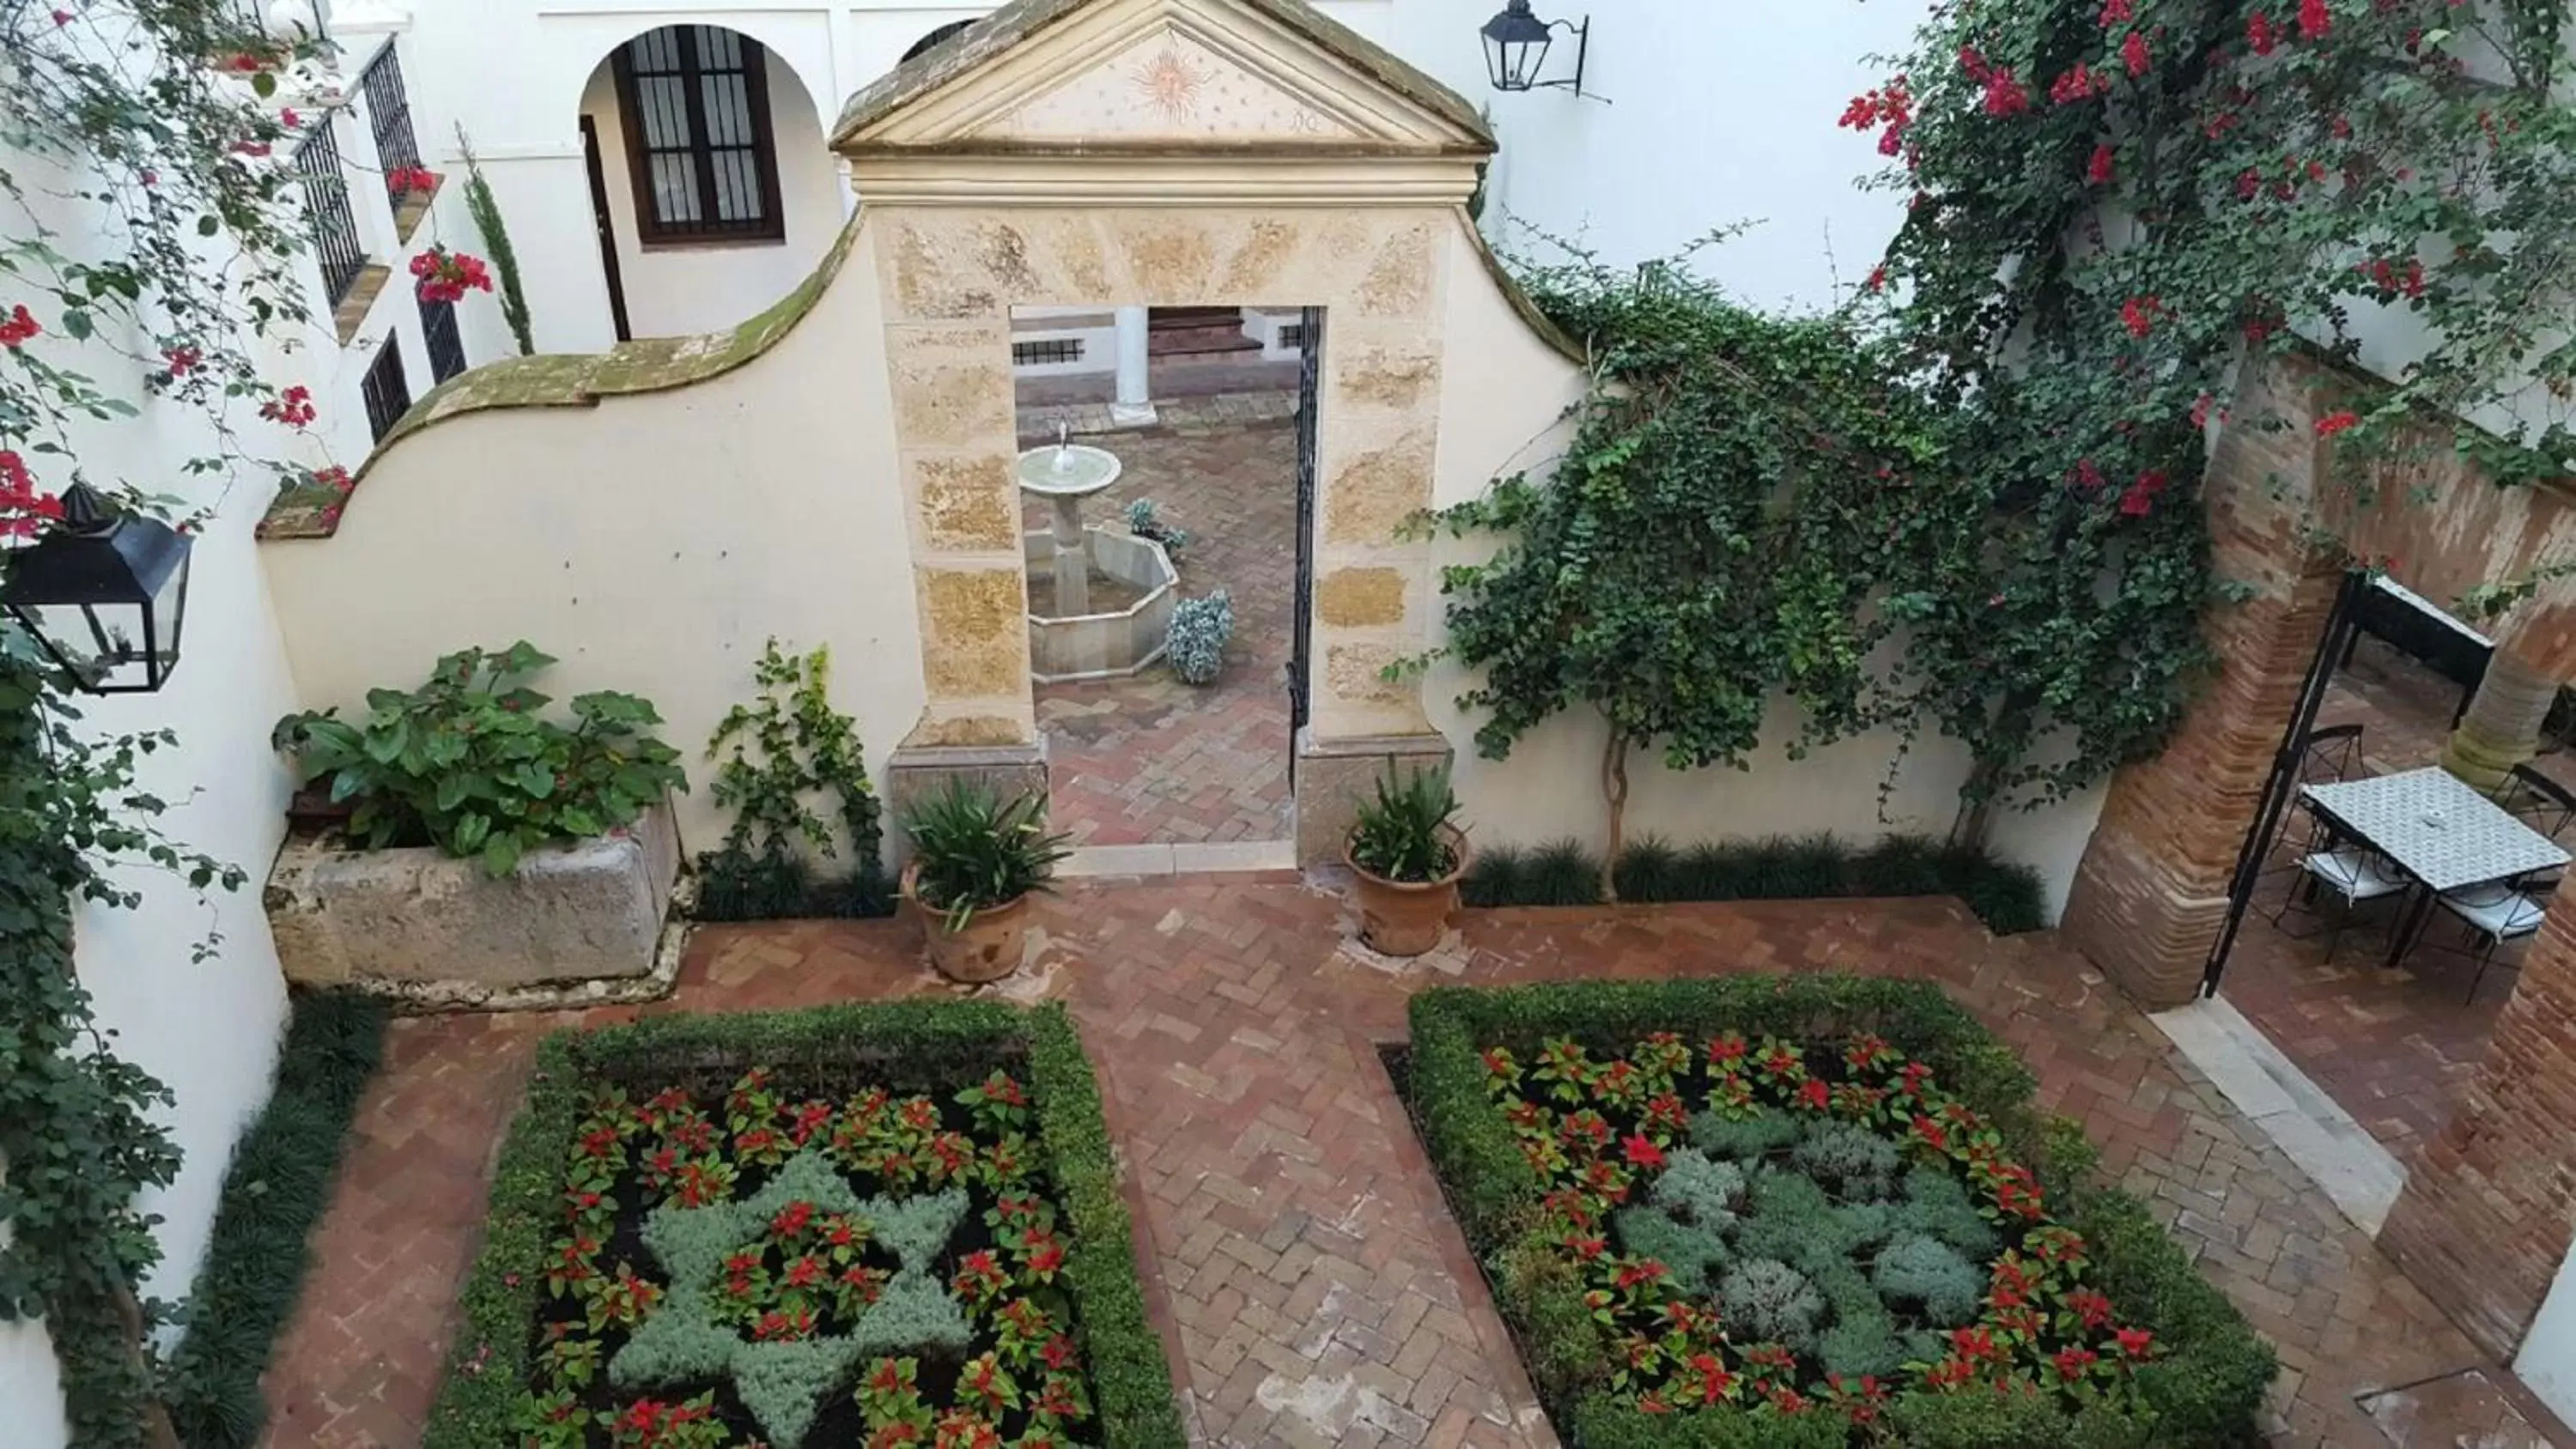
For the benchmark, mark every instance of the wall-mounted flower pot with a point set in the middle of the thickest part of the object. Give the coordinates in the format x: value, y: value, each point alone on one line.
x: 1407, y: 918
x: 987, y: 949
x: 422, y: 924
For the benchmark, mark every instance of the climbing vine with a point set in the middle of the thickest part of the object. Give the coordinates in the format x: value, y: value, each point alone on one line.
x: 147, y: 225
x: 2115, y: 207
x: 1718, y: 534
x: 1969, y: 503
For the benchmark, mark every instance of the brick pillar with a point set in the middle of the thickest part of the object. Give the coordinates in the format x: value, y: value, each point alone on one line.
x: 2487, y: 1209
x: 2150, y: 896
x: 2502, y: 728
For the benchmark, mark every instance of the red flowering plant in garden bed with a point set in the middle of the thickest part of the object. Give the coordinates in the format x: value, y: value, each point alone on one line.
x: 1808, y: 1212
x: 889, y: 1255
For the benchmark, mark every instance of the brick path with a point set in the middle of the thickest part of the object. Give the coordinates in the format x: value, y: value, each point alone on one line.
x: 1309, y: 1286
x: 1153, y: 760
x: 2392, y: 1047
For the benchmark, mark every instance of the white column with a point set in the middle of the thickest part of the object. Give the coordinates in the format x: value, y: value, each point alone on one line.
x: 1135, y: 405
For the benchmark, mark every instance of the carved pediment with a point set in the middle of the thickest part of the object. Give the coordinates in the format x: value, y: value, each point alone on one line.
x: 1127, y: 74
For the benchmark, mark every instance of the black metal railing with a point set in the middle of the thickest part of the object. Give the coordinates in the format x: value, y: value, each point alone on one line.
x: 446, y: 346
x: 326, y: 211
x: 387, y: 395
x: 389, y: 113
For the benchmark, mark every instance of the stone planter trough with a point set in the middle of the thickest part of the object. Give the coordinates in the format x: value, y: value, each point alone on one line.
x: 573, y: 924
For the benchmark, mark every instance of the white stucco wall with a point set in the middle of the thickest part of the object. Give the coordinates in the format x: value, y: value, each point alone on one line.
x: 208, y: 1030
x: 651, y: 542
x: 1718, y: 114
x: 1550, y: 786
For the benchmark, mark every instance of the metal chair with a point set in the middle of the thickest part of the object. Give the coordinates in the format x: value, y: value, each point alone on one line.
x: 2503, y: 911
x: 2496, y: 913
x: 2355, y: 874
x: 2327, y: 756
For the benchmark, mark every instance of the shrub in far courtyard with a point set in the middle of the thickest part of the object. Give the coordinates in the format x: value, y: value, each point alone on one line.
x: 1201, y: 628
x: 1812, y: 1210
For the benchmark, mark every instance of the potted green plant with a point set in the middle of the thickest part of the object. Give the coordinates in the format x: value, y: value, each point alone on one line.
x: 486, y: 845
x: 976, y: 859
x: 1407, y: 856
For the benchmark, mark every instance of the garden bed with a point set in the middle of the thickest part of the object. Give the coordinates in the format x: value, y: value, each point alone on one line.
x: 827, y: 1227
x: 1813, y: 1210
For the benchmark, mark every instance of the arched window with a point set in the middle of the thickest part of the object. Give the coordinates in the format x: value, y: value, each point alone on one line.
x: 936, y: 38
x: 695, y: 100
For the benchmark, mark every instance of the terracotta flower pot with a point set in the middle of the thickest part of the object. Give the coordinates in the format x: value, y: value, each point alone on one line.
x: 1408, y: 918
x: 987, y: 950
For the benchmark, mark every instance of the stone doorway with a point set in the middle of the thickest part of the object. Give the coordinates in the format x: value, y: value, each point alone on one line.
x: 1138, y: 759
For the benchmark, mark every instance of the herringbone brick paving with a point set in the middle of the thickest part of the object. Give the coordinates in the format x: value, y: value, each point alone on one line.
x: 1310, y: 1287
x: 1150, y: 759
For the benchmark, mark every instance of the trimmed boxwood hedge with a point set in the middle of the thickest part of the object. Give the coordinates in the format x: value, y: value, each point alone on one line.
x: 2204, y: 1391
x: 918, y: 1044
x: 275, y: 1191
x: 2008, y: 897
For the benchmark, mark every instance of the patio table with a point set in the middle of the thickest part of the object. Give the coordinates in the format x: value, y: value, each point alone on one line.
x: 2443, y: 834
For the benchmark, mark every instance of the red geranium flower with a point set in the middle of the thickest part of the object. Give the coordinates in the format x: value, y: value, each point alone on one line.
x: 1641, y: 1152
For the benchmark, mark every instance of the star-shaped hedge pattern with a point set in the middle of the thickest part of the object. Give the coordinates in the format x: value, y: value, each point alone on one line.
x: 785, y: 1383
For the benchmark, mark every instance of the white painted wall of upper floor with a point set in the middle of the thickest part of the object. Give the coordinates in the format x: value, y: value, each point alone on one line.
x: 1713, y: 118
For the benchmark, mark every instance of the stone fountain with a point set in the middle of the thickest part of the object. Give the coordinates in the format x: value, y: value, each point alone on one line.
x: 1070, y: 642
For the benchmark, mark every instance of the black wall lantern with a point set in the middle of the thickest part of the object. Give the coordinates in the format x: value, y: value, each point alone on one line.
x: 104, y: 592
x: 1516, y: 46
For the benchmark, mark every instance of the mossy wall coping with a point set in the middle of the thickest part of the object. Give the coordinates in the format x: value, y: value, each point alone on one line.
x: 571, y: 379
x: 1017, y: 22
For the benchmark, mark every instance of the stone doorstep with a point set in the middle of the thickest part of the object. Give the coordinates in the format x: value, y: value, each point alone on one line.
x: 1215, y: 858
x: 2334, y: 1150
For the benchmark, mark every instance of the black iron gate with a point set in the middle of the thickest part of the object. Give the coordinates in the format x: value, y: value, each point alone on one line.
x: 2283, y: 786
x: 1310, y: 343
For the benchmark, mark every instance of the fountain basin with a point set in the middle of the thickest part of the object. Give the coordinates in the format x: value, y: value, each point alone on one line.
x: 1109, y: 645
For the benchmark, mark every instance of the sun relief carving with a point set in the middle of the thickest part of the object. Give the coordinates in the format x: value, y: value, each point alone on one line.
x: 1168, y: 86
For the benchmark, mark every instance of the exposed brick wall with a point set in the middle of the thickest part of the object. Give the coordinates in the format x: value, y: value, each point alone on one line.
x: 2487, y: 1211
x: 2485, y: 1217
x: 2150, y: 895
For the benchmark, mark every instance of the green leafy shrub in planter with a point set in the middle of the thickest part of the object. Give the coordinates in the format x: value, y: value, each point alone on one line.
x: 1547, y: 1108
x: 274, y: 1195
x: 467, y: 763
x: 1403, y: 833
x: 1200, y: 630
x: 778, y: 755
x: 894, y: 1204
x: 972, y: 851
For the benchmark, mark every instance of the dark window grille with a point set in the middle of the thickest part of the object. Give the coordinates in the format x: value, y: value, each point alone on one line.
x: 387, y: 395
x: 1052, y: 349
x: 326, y: 212
x: 389, y: 113
x: 1292, y: 339
x: 446, y: 346
x: 695, y: 100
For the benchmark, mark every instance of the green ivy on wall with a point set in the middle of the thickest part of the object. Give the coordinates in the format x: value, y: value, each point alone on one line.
x: 152, y: 123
